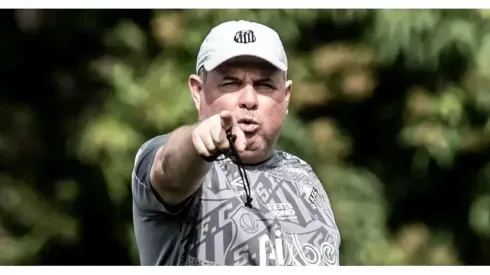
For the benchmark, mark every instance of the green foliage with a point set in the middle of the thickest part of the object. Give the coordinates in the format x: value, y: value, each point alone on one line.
x: 339, y: 59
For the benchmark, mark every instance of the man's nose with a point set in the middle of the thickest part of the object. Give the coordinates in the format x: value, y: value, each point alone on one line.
x: 248, y: 98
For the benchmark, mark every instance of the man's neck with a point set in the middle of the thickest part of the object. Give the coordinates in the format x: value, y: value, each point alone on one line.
x: 258, y: 159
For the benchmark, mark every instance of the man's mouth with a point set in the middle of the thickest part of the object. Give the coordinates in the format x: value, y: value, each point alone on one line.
x: 248, y: 126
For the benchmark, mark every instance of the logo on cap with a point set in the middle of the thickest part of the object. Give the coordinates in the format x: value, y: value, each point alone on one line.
x: 245, y: 37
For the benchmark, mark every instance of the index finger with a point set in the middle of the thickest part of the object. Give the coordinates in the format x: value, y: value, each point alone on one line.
x: 241, y: 140
x: 226, y: 120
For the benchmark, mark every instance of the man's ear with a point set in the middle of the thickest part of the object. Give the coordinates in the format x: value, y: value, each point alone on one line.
x: 289, y: 86
x: 195, y: 86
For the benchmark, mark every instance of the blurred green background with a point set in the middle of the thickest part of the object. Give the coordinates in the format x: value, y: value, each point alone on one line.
x: 391, y: 108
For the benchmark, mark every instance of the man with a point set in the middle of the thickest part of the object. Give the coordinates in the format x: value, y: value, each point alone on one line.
x: 251, y: 206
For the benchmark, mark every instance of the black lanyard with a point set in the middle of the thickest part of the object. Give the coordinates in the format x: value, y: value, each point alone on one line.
x: 239, y: 163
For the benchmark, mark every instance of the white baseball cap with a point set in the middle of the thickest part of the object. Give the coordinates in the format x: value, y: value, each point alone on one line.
x: 241, y: 38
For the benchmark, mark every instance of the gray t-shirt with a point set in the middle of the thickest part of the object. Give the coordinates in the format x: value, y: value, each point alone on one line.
x: 291, y: 222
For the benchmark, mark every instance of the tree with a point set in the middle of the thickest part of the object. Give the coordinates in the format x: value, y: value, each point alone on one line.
x: 390, y: 107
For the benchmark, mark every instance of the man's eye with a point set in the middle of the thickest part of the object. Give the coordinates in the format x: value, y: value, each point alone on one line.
x: 229, y: 83
x: 266, y: 86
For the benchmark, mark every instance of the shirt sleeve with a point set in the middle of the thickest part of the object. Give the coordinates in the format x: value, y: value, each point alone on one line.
x: 321, y: 199
x: 144, y: 195
x: 157, y: 226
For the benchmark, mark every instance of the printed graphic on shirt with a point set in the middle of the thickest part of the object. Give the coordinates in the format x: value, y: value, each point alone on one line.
x: 291, y: 222
x: 299, y: 249
x: 282, y: 210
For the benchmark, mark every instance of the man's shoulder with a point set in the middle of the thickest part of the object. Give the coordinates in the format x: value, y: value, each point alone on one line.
x: 159, y: 139
x: 291, y: 161
x: 148, y: 149
x: 152, y: 143
x: 285, y: 163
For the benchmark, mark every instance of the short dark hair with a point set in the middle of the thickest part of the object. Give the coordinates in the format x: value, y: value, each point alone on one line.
x: 202, y: 73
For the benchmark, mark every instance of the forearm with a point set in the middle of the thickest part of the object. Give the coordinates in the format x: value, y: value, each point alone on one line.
x: 178, y: 169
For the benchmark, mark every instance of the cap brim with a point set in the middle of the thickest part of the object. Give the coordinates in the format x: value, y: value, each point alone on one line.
x: 220, y: 58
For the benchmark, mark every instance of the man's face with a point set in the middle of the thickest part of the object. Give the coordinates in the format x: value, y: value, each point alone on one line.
x: 257, y: 95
